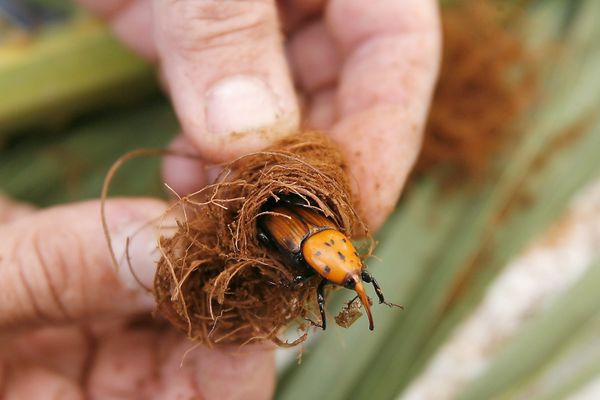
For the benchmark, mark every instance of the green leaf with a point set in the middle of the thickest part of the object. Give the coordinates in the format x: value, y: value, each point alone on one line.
x: 577, y: 364
x: 541, y: 339
x: 63, y: 70
x: 72, y: 166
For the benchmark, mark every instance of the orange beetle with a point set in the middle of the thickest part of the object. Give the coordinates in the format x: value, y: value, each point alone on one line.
x: 313, y: 243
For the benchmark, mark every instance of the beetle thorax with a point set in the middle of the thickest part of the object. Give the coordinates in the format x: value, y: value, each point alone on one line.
x: 332, y: 255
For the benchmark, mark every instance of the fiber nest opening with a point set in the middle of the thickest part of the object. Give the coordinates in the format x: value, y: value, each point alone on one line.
x: 215, y: 281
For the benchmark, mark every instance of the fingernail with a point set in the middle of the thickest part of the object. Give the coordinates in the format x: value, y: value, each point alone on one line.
x: 135, y: 246
x: 240, y: 103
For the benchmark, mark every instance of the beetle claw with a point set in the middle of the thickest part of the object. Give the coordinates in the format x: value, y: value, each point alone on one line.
x: 392, y: 304
x: 314, y: 323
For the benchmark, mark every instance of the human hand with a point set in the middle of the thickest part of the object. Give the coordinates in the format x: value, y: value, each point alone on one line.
x: 73, y: 327
x: 365, y: 70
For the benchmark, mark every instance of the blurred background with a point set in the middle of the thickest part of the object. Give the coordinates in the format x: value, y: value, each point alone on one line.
x: 494, y: 249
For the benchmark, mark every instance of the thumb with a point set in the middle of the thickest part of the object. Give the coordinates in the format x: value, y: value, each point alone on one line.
x: 226, y: 71
x: 55, y: 265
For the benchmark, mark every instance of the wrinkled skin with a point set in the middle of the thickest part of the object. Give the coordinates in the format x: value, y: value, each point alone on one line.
x: 71, y: 326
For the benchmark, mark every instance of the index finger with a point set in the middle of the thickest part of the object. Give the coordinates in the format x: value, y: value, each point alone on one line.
x: 391, y: 58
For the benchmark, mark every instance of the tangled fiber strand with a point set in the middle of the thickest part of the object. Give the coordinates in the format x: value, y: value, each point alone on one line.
x: 215, y: 281
x: 487, y: 80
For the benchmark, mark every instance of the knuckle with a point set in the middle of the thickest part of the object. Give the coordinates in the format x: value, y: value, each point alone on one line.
x: 201, y: 25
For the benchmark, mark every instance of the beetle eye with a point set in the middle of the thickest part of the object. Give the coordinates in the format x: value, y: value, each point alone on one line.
x: 350, y: 283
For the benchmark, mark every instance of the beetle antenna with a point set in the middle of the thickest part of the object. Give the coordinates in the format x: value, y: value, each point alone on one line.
x: 360, y: 289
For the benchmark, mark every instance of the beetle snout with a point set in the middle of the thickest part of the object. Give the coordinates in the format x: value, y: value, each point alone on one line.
x: 364, y: 299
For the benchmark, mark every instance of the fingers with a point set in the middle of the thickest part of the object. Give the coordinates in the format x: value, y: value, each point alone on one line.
x: 391, y: 57
x: 295, y: 12
x: 133, y: 24
x: 226, y: 73
x: 381, y: 145
x: 55, y: 265
x: 145, y: 364
x: 322, y: 112
x: 62, y: 349
x: 126, y: 363
x: 131, y: 21
x: 11, y: 210
x: 314, y: 57
x: 224, y: 64
x: 379, y: 19
x: 211, y: 373
x: 184, y: 175
x: 34, y: 382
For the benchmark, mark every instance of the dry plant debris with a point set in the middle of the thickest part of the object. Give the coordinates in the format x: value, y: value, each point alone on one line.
x: 215, y: 281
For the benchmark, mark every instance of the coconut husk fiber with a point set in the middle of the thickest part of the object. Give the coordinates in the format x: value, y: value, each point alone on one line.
x: 215, y: 281
x: 487, y: 81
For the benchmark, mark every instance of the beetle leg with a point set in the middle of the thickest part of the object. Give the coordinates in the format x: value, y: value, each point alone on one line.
x: 296, y: 281
x: 368, y: 278
x: 353, y: 300
x: 299, y: 279
x: 321, y: 301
